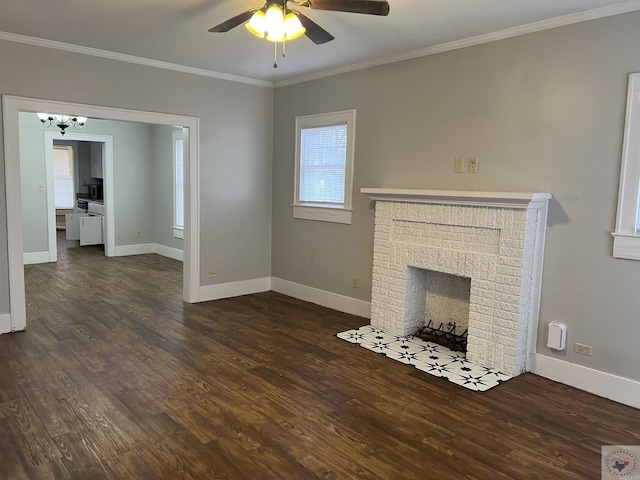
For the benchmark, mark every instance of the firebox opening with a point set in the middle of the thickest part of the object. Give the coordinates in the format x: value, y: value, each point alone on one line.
x: 439, y: 303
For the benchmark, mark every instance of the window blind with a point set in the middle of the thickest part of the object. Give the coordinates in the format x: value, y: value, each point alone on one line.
x: 179, y: 187
x: 323, y: 157
x: 63, y: 177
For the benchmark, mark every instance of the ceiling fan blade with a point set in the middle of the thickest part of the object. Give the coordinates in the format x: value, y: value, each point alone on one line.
x: 369, y: 7
x: 233, y: 22
x: 315, y: 32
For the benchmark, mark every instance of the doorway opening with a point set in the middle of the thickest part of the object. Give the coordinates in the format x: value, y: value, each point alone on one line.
x: 12, y: 107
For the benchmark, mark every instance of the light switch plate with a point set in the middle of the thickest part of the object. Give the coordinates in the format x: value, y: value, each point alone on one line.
x: 458, y: 165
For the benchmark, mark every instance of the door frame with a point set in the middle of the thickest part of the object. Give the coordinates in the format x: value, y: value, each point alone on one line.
x: 11, y: 106
x: 109, y: 200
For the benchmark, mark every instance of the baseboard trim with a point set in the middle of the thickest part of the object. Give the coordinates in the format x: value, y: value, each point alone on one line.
x: 139, y: 249
x: 170, y: 252
x: 5, y: 323
x: 234, y: 289
x: 619, y: 389
x: 31, y: 258
x: 331, y: 300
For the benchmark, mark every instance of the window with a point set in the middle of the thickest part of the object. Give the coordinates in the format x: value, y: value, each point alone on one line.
x: 324, y: 166
x: 63, y: 186
x: 626, y: 238
x: 178, y: 184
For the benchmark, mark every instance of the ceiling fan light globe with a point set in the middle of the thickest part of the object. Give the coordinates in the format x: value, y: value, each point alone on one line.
x: 257, y: 25
x: 292, y: 26
x: 275, y: 24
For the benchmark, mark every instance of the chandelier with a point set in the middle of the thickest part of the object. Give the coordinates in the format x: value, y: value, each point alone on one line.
x: 62, y: 121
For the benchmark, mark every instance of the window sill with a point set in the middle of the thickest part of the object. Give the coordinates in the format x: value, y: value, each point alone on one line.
x: 322, y: 214
x: 626, y: 246
x: 178, y: 232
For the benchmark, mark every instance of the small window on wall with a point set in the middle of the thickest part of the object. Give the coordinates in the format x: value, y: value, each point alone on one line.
x: 178, y: 185
x: 324, y: 166
x: 63, y: 184
x: 626, y: 238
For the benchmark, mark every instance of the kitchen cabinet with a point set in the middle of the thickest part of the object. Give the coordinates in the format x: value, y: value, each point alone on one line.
x: 95, y: 155
x: 85, y: 227
x: 91, y: 230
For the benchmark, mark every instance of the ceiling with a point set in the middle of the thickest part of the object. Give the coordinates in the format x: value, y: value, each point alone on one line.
x: 176, y: 31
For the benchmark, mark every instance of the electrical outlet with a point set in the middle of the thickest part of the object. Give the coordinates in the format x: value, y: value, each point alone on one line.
x: 473, y: 165
x: 458, y: 165
x: 137, y: 234
x: 583, y: 349
x: 212, y: 273
x: 355, y: 283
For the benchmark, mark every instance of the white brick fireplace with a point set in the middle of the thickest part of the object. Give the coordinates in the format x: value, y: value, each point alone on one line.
x: 494, y: 239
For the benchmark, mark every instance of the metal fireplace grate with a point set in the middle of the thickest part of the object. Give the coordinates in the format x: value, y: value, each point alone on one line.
x: 442, y: 336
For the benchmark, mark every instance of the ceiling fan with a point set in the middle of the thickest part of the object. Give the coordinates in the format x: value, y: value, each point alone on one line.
x: 277, y: 23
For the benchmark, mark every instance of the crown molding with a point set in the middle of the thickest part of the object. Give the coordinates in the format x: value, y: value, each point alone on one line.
x: 68, y: 47
x: 594, y: 14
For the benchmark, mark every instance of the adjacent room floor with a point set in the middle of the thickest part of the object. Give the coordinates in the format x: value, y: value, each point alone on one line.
x: 115, y: 377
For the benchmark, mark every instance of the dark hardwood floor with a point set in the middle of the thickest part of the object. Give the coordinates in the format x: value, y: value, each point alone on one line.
x: 115, y: 377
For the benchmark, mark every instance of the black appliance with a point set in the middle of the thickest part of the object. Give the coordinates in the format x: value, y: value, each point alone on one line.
x: 95, y: 192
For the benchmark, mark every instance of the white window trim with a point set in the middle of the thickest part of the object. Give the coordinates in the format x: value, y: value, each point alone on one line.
x: 178, y: 231
x: 626, y: 242
x: 325, y: 213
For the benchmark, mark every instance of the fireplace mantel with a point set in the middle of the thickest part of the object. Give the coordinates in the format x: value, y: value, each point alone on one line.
x: 458, y: 197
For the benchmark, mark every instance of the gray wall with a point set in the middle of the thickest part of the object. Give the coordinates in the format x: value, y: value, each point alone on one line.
x: 235, y: 147
x: 162, y: 185
x: 543, y: 112
x: 32, y: 173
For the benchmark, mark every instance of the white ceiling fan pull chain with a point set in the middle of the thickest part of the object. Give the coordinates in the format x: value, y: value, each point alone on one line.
x: 275, y: 55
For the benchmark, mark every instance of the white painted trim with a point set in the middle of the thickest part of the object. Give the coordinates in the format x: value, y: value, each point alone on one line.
x: 322, y: 214
x: 331, y: 300
x: 234, y: 289
x: 619, y: 389
x: 32, y: 258
x: 137, y: 249
x: 457, y: 197
x: 540, y: 26
x: 626, y: 246
x: 174, y: 253
x: 95, y: 52
x: 5, y: 323
x: 626, y: 241
x: 11, y: 106
x: 540, y: 208
x: 15, y: 246
x: 147, y: 248
x: 191, y: 243
x: 52, y: 241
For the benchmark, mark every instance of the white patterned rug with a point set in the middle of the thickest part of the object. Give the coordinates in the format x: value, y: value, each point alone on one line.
x: 426, y: 356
